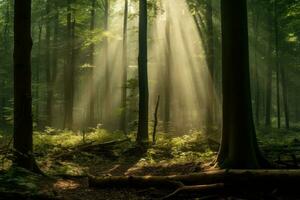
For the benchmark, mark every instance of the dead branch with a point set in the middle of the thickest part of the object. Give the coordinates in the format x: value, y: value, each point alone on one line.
x: 155, y: 120
x: 196, y: 190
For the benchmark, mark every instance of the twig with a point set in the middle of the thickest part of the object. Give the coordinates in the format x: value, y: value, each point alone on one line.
x: 155, y: 120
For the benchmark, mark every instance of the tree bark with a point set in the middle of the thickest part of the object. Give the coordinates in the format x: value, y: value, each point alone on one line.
x: 277, y: 65
x: 48, y: 66
x: 269, y: 74
x: 91, y: 116
x: 125, y: 65
x: 142, y: 134
x: 69, y: 71
x: 239, y: 147
x: 55, y: 48
x: 37, y: 80
x: 168, y: 74
x: 22, y: 86
x: 107, y: 90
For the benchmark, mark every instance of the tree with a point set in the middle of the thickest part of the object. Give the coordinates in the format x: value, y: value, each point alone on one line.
x: 280, y: 71
x: 91, y: 117
x: 239, y: 147
x: 22, y: 86
x: 125, y: 64
x: 69, y: 70
x: 277, y: 65
x: 269, y: 74
x: 107, y: 89
x: 168, y: 73
x: 142, y: 134
x: 48, y: 65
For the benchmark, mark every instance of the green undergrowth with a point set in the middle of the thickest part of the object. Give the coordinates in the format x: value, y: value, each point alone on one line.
x: 189, y: 148
x: 22, y: 182
x: 192, y: 147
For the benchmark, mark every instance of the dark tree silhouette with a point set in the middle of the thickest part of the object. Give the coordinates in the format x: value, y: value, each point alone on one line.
x: 239, y: 147
x: 142, y: 134
x: 22, y: 86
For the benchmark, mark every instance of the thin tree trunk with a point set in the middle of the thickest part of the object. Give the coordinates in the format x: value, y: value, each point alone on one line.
x: 37, y: 81
x: 257, y: 78
x: 285, y: 97
x: 168, y: 76
x: 68, y: 72
x: 6, y: 52
x: 125, y: 64
x: 269, y: 75
x: 55, y: 47
x: 277, y: 65
x: 142, y: 134
x: 107, y: 90
x: 91, y: 120
x: 211, y: 66
x: 47, y: 66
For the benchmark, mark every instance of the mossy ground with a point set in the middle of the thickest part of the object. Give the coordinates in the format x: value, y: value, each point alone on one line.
x: 172, y: 154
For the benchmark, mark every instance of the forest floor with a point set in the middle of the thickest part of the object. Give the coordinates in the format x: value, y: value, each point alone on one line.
x: 66, y: 158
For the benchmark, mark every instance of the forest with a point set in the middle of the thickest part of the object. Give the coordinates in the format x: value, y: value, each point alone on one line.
x: 149, y: 99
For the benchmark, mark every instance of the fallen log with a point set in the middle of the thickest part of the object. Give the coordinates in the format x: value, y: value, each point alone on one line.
x: 91, y: 147
x: 257, y: 178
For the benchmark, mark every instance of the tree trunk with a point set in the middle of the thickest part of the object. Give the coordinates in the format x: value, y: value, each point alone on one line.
x: 142, y: 134
x: 91, y: 117
x: 37, y: 81
x: 257, y: 78
x: 55, y: 47
x: 168, y: 76
x: 285, y: 98
x: 211, y: 66
x: 48, y: 66
x: 269, y: 75
x: 107, y: 90
x: 69, y: 71
x: 125, y: 65
x: 22, y: 86
x: 277, y: 65
x: 239, y: 147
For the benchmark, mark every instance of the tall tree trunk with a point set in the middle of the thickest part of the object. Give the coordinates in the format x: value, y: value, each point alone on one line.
x: 211, y: 66
x: 107, y: 89
x: 55, y: 47
x: 142, y: 134
x: 48, y: 66
x: 239, y: 147
x: 6, y: 52
x: 277, y: 65
x: 210, y: 38
x: 167, y: 82
x: 37, y: 80
x: 22, y: 86
x: 269, y: 74
x: 69, y: 71
x: 285, y: 98
x: 125, y: 65
x: 91, y: 117
x: 257, y: 78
